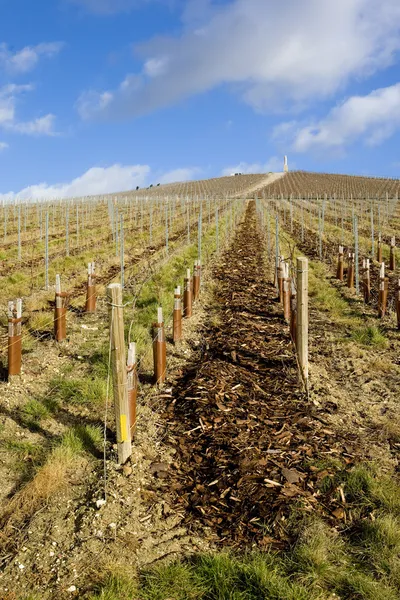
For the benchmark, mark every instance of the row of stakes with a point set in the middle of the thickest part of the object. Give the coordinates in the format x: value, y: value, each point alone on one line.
x: 191, y: 290
x: 287, y: 295
x: 366, y: 280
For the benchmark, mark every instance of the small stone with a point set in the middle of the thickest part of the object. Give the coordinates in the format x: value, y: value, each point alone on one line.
x: 101, y: 502
x: 72, y: 588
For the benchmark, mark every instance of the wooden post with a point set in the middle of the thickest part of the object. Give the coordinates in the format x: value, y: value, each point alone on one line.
x: 177, y: 316
x: 119, y: 375
x: 14, y: 337
x: 392, y: 263
x: 379, y: 257
x: 280, y: 278
x: 340, y: 266
x: 60, y: 313
x: 383, y: 291
x: 350, y: 272
x: 286, y: 292
x: 302, y: 317
x: 132, y: 380
x: 91, y: 289
x: 196, y: 279
x: 366, y: 281
x: 187, y: 295
x: 159, y: 348
x: 398, y: 304
x: 293, y: 311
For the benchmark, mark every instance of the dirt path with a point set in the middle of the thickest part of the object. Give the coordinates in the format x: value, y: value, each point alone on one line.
x: 246, y: 436
x: 270, y: 178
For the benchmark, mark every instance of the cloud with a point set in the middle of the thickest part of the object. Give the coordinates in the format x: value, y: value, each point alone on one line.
x: 274, y: 164
x: 3, y: 146
x: 8, y: 119
x: 277, y: 55
x: 184, y: 174
x: 26, y: 59
x: 41, y: 126
x: 373, y: 118
x: 102, y: 180
x: 108, y: 7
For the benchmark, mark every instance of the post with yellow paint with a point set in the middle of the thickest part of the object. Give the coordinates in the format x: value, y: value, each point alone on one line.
x: 119, y: 372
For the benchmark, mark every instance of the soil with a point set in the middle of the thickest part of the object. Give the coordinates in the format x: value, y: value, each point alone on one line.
x: 223, y: 450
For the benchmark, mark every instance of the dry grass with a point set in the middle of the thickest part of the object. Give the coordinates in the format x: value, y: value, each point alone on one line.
x: 49, y: 480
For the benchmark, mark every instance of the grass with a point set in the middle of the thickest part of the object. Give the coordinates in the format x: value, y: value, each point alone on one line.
x: 327, y: 298
x: 50, y: 478
x: 370, y: 335
x: 90, y: 390
x: 33, y: 412
x: 360, y: 561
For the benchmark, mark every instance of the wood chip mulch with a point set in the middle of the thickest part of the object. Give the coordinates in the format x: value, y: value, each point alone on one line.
x: 248, y: 441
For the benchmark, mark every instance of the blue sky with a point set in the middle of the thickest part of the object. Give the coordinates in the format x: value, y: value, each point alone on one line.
x: 104, y: 95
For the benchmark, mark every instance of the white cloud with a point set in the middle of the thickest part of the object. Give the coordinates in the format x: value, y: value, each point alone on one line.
x: 40, y: 126
x: 273, y: 165
x: 372, y: 118
x: 26, y: 59
x: 8, y: 120
x: 184, y: 174
x: 276, y: 54
x: 102, y: 180
x: 3, y: 146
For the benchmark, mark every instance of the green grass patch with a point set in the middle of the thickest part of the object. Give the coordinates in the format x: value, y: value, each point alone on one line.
x: 33, y: 412
x: 115, y: 588
x: 83, y: 438
x: 369, y: 335
x: 359, y: 561
x: 90, y: 390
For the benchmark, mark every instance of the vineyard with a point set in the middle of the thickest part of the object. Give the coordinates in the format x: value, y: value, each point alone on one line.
x: 199, y: 392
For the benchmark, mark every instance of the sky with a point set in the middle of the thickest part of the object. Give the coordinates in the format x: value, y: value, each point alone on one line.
x: 98, y: 96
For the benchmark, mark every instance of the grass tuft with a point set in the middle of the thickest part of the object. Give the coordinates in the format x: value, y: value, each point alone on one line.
x: 115, y: 587
x: 369, y: 336
x: 79, y: 391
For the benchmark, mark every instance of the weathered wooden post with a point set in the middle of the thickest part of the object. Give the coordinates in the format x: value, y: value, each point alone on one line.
x: 91, y: 289
x: 392, y: 263
x: 187, y: 295
x: 60, y: 313
x: 379, y: 257
x: 14, y: 337
x: 340, y: 265
x: 177, y: 316
x: 350, y: 272
x: 302, y: 318
x: 280, y: 277
x: 293, y: 311
x: 366, y: 280
x: 132, y: 382
x: 196, y: 279
x: 286, y: 292
x: 119, y: 374
x: 383, y: 291
x: 398, y: 304
x: 159, y: 348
